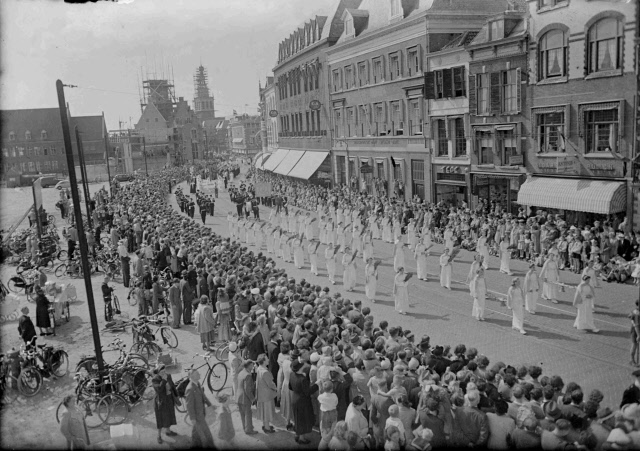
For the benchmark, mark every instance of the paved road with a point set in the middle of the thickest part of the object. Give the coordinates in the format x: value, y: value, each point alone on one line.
x: 593, y: 360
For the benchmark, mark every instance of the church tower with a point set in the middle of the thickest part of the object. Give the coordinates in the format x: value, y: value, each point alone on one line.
x: 202, y: 102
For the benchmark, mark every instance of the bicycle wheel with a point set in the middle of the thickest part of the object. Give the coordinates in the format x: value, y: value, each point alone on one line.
x: 138, y: 360
x: 150, y: 351
x: 52, y: 320
x: 133, y: 300
x: 62, y: 255
x: 116, y: 304
x: 59, y: 363
x: 9, y: 391
x: 47, y: 265
x: 89, y: 408
x: 169, y: 337
x: 224, y: 353
x: 61, y: 270
x: 87, y: 367
x: 182, y: 408
x: 142, y: 385
x: 29, y: 381
x: 217, y: 377
x: 113, y: 409
x: 12, y: 284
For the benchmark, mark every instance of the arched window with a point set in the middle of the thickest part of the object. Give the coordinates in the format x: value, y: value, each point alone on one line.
x: 27, y: 135
x: 605, y: 45
x: 43, y: 134
x: 552, y: 57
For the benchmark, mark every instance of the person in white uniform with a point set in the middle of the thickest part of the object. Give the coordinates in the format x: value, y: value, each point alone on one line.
x: 505, y: 256
x: 371, y: 280
x: 531, y: 289
x: 483, y: 249
x: 420, y: 254
x: 398, y: 254
x: 330, y: 257
x: 583, y: 301
x: 550, y: 276
x: 445, y: 269
x: 400, y: 292
x: 478, y: 291
x: 475, y: 265
x: 349, y: 265
x: 515, y: 302
x: 313, y: 255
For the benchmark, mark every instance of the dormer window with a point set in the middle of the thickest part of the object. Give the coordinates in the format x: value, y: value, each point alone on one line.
x: 348, y: 27
x: 27, y: 135
x: 496, y: 30
x: 396, y: 8
x: 43, y: 134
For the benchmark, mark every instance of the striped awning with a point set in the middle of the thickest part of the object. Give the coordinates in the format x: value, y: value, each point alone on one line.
x: 275, y: 159
x: 308, y: 164
x: 592, y: 196
x: 289, y: 162
x: 261, y: 160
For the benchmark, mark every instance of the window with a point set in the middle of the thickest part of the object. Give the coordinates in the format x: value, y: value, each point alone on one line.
x: 54, y: 164
x: 21, y: 151
x: 194, y: 133
x: 47, y: 166
x: 363, y: 73
x: 482, y: 94
x: 52, y: 150
x: 45, y: 151
x: 43, y: 134
x: 337, y: 120
x: 341, y: 169
x: 507, y: 139
x: 23, y: 167
x: 552, y: 57
x: 378, y: 70
x: 601, y: 129
x: 509, y: 91
x: 459, y: 82
x: 348, y: 27
x: 397, y: 116
x: 460, y: 141
x: 445, y: 83
x: 27, y: 135
x: 442, y: 143
x: 496, y: 30
x: 550, y: 128
x: 439, y: 84
x: 5, y: 152
x: 32, y: 166
x: 551, y: 3
x: 605, y: 45
x: 12, y: 136
x: 337, y: 80
x: 38, y: 165
x: 351, y: 121
x: 348, y: 77
x: 13, y: 152
x: 29, y: 151
x: 396, y: 8
x: 379, y: 116
x: 413, y: 61
x: 485, y: 147
x: 395, y: 69
x: 363, y: 119
x: 415, y: 114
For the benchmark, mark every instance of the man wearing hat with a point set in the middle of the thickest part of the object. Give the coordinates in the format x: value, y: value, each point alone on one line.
x: 632, y: 394
x: 245, y: 396
x: 196, y: 402
x: 187, y: 294
x: 26, y: 328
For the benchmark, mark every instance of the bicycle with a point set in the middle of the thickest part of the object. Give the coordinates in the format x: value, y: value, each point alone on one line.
x: 216, y: 375
x: 4, y: 292
x: 88, y: 365
x: 9, y: 390
x: 144, y: 337
x: 25, y: 281
x: 37, y: 365
x: 221, y: 350
x: 90, y: 408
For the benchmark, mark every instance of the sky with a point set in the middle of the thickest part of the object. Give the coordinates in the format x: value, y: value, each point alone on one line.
x: 103, y: 47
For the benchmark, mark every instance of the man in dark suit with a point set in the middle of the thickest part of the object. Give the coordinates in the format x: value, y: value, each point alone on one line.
x: 632, y: 394
x: 196, y: 401
x: 246, y: 396
x: 429, y: 419
x: 473, y: 422
x: 379, y: 413
x: 273, y: 351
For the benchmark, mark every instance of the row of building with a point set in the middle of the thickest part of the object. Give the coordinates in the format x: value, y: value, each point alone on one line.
x: 510, y: 102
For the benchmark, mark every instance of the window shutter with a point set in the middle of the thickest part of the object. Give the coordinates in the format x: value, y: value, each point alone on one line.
x: 567, y: 122
x: 447, y: 83
x: 430, y: 85
x: 402, y: 115
x: 494, y: 96
x: 427, y: 130
x: 519, y: 80
x: 621, y: 122
x: 473, y: 98
x: 400, y: 63
x: 518, y: 133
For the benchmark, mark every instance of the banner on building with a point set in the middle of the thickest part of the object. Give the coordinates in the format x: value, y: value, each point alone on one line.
x: 263, y: 189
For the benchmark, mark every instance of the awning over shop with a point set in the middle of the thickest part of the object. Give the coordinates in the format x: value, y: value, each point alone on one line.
x: 275, y: 159
x: 262, y: 159
x: 592, y: 196
x: 308, y: 164
x: 289, y: 162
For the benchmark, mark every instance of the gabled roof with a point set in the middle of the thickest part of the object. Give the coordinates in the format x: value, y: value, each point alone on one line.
x: 520, y: 28
x: 34, y: 120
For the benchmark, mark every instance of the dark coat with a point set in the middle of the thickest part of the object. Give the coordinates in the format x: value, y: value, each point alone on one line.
x: 26, y: 328
x: 273, y: 351
x: 164, y: 404
x: 302, y: 409
x: 255, y: 346
x: 42, y: 311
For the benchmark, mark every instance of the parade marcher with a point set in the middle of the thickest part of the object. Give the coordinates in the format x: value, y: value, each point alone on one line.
x: 550, y: 277
x: 531, y: 289
x: 398, y: 255
x: 445, y: 269
x: 400, y: 293
x: 478, y: 290
x: 421, y: 252
x: 515, y: 302
x: 505, y: 256
x: 583, y: 301
x: 349, y: 265
x: 330, y: 257
x: 371, y: 279
x: 312, y: 249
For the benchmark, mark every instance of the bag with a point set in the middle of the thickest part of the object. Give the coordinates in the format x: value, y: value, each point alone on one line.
x: 181, y: 388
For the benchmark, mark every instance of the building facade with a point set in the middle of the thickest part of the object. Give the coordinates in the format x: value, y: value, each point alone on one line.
x: 582, y: 110
x: 244, y: 134
x: 203, y: 102
x: 269, y: 110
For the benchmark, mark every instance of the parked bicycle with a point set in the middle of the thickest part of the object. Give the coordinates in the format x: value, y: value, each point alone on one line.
x: 9, y: 372
x: 88, y: 365
x: 24, y: 282
x: 144, y: 336
x: 216, y: 377
x: 43, y: 362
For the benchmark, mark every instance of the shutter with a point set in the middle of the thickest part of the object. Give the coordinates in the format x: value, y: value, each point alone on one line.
x: 567, y: 122
x: 430, y: 85
x: 621, y: 123
x: 463, y: 80
x: 400, y: 63
x: 519, y: 136
x: 519, y: 80
x: 447, y: 83
x: 494, y: 93
x: 402, y: 106
x: 473, y: 97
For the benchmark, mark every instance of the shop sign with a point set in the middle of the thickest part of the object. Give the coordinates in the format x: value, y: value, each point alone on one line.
x: 603, y: 167
x: 314, y: 105
x: 564, y: 166
x: 516, y: 160
x: 449, y: 169
x: 366, y: 169
x: 480, y: 180
x: 323, y: 175
x: 273, y: 113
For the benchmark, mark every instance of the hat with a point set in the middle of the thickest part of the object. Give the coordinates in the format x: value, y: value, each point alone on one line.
x: 631, y: 412
x: 369, y: 354
x: 233, y: 346
x: 552, y: 410
x: 337, y: 356
x: 296, y: 365
x: 413, y: 364
x: 317, y: 344
x: 424, y: 342
x: 25, y: 310
x: 314, y: 357
x: 255, y: 291
x: 385, y: 364
x: 604, y: 414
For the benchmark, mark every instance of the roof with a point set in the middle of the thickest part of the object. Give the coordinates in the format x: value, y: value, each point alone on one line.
x: 461, y: 40
x: 469, y: 6
x: 34, y: 120
x: 519, y: 29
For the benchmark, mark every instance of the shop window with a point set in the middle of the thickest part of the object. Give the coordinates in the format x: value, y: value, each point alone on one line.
x: 442, y: 143
x: 484, y: 147
x: 552, y: 56
x: 601, y: 130
x: 417, y: 177
x: 510, y: 81
x: 482, y: 93
x: 507, y: 140
x: 550, y: 131
x: 460, y: 140
x: 604, y: 49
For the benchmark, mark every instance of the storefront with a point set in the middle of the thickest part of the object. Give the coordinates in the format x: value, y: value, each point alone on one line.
x: 497, y: 188
x: 450, y: 184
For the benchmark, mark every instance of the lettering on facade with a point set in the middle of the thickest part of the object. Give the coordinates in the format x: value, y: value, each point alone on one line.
x: 449, y: 169
x: 604, y: 167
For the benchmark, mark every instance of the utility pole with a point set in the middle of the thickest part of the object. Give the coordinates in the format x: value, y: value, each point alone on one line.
x: 84, y: 251
x: 144, y: 151
x: 106, y: 152
x: 83, y: 174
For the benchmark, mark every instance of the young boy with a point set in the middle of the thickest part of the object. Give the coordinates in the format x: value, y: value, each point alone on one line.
x: 328, y: 412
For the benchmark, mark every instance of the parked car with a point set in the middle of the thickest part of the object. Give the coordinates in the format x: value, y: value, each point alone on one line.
x: 62, y: 184
x: 47, y: 181
x: 124, y: 177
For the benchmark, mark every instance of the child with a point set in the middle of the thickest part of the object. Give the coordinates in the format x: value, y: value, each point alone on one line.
x: 636, y: 271
x: 227, y: 432
x: 392, y: 440
x: 328, y: 412
x: 396, y: 389
x: 395, y: 421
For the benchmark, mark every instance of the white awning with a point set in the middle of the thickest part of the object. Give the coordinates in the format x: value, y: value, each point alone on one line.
x: 308, y: 164
x: 289, y: 162
x: 275, y: 159
x: 261, y: 160
x: 593, y: 196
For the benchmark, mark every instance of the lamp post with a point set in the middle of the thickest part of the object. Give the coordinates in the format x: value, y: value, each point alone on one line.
x: 84, y: 251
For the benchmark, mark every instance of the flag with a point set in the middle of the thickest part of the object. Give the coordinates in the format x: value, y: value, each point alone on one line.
x: 393, y: 162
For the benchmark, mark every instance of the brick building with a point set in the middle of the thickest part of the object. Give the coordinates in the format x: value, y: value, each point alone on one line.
x: 244, y: 135
x: 583, y: 93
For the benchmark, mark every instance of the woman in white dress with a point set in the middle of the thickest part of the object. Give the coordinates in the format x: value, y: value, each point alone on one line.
x: 398, y: 254
x: 330, y: 256
x: 308, y: 226
x: 386, y: 230
x: 412, y: 239
x: 367, y: 246
x: 313, y: 255
x: 374, y: 227
x: 298, y: 253
x: 550, y: 276
x: 349, y: 265
x: 505, y: 256
x: 515, y: 302
x: 445, y: 269
x: 483, y: 250
x: 341, y: 231
x: 322, y: 231
x: 531, y: 289
x: 583, y: 301
x: 448, y: 239
x: 400, y: 293
x: 283, y: 391
x: 331, y: 232
x: 475, y: 265
x: 286, y: 248
x: 257, y: 227
x: 397, y: 228
x: 420, y: 255
x: 478, y: 291
x: 371, y: 280
x: 356, y: 242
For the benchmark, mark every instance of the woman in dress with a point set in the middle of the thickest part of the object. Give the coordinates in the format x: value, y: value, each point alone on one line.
x: 634, y: 333
x: 298, y: 253
x: 266, y: 391
x: 223, y: 308
x: 386, y: 229
x: 420, y: 254
x: 531, y: 289
x: 398, y: 254
x: 301, y: 391
x: 515, y: 302
x: 349, y: 265
x: 400, y: 293
x: 550, y: 276
x: 205, y: 323
x: 475, y: 265
x: 374, y: 227
x: 478, y: 291
x: 164, y: 403
x: 371, y: 280
x: 43, y: 320
x: 483, y: 250
x: 445, y: 269
x: 449, y: 238
x: 411, y: 234
x: 505, y: 256
x: 397, y: 228
x: 583, y: 301
x: 367, y: 246
x: 330, y: 257
x: 283, y: 391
